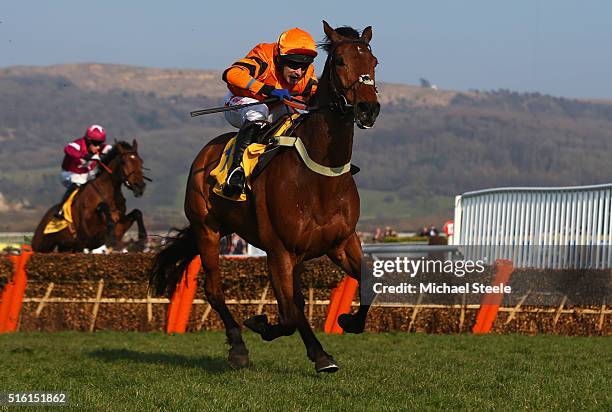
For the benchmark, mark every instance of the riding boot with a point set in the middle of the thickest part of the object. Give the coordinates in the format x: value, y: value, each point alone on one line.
x: 235, y: 176
x: 60, y: 212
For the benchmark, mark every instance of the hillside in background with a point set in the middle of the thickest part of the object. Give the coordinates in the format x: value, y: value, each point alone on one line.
x: 427, y: 146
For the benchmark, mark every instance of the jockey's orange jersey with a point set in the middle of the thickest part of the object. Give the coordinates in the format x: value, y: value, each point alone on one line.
x: 257, y: 74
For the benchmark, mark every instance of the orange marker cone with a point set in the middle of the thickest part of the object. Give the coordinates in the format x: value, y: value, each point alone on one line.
x: 340, y: 303
x: 12, y: 296
x: 182, y: 299
x: 7, y: 296
x: 190, y: 281
x: 346, y: 301
x: 334, y: 303
x: 489, y: 304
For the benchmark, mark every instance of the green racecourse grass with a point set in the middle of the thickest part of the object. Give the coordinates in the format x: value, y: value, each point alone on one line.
x: 151, y: 371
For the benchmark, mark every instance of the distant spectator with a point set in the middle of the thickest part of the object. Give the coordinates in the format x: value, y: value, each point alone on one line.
x: 225, y: 245
x: 433, y: 231
x: 238, y: 245
x: 424, y: 231
x: 389, y: 232
x: 378, y: 235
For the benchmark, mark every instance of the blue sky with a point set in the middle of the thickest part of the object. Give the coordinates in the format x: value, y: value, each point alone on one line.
x: 555, y: 47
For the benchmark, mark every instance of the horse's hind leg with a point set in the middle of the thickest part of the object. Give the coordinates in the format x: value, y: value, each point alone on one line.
x: 208, y: 246
x: 110, y: 239
x: 349, y: 256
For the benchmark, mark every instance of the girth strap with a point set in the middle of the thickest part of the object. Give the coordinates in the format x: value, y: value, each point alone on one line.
x: 296, y: 142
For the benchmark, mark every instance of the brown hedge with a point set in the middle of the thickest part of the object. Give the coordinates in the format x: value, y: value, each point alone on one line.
x: 6, y: 271
x: 58, y: 267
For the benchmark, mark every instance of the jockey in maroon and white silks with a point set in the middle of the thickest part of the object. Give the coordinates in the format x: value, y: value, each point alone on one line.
x: 81, y: 157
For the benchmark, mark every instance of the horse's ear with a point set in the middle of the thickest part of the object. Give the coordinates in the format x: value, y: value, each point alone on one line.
x: 134, y: 145
x: 366, y: 35
x: 331, y: 33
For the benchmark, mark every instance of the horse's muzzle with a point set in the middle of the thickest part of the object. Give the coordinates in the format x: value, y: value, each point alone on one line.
x: 136, y: 188
x: 366, y: 114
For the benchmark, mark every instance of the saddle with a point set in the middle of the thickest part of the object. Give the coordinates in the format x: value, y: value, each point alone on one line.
x: 258, y: 155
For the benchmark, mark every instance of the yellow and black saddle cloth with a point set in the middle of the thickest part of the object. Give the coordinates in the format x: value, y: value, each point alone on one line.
x: 258, y: 155
x: 251, y: 157
x: 60, y: 223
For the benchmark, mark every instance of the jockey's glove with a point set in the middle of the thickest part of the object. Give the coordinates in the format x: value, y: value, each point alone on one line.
x: 281, y: 94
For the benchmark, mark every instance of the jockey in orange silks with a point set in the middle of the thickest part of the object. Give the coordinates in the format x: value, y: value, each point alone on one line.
x: 280, y: 69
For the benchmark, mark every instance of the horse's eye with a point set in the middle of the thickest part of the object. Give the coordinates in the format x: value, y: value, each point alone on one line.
x: 339, y: 61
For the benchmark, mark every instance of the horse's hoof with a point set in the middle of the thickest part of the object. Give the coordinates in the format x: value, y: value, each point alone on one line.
x: 257, y: 324
x: 141, y: 246
x: 102, y: 250
x: 326, y: 364
x: 238, y: 359
x: 349, y: 324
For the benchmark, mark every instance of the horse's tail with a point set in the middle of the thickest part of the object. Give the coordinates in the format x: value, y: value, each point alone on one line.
x: 170, y: 264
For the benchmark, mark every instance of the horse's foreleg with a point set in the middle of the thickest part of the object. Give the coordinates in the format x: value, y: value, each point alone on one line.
x: 208, y: 246
x: 279, y: 268
x: 290, y: 304
x: 142, y: 231
x: 104, y: 210
x: 349, y: 256
x: 124, y: 224
x: 298, y: 296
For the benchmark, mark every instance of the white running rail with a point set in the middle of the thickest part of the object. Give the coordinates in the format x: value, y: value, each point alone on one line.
x: 547, y: 227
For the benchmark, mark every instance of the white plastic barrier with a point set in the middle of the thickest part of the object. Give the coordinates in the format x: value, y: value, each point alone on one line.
x: 537, y: 227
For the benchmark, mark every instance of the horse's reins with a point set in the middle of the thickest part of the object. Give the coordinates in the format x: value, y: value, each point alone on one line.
x: 341, y: 104
x: 124, y: 178
x: 93, y: 182
x: 108, y: 169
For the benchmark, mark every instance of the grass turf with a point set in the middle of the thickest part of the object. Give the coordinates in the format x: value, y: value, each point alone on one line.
x: 151, y: 371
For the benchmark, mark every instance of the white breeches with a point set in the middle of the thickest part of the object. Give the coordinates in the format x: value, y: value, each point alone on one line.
x: 69, y: 178
x: 258, y: 112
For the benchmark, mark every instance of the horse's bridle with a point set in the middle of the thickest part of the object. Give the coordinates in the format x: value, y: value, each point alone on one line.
x: 124, y: 178
x: 340, y: 102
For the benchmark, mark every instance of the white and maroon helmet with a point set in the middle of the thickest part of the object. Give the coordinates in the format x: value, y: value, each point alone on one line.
x: 95, y: 133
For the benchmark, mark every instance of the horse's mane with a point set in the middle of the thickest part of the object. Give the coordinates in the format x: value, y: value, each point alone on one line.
x: 345, y: 31
x: 107, y: 158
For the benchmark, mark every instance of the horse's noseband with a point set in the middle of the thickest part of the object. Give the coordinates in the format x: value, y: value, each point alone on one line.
x: 367, y: 80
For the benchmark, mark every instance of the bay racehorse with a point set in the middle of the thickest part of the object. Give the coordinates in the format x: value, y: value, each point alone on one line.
x: 292, y: 213
x: 98, y: 209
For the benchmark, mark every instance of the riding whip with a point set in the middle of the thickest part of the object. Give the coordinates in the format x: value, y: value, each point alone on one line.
x: 295, y: 105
